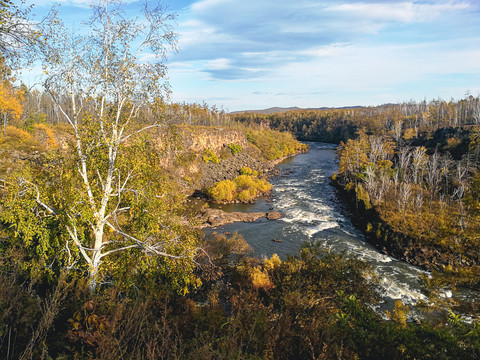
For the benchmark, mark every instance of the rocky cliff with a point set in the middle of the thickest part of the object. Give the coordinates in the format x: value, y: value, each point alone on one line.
x: 183, y: 150
x: 198, y: 139
x: 196, y: 172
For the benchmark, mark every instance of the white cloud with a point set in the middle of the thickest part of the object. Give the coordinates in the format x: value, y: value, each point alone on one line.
x: 80, y: 3
x: 205, y: 5
x: 326, y: 51
x: 218, y: 64
x: 333, y: 51
x: 400, y: 12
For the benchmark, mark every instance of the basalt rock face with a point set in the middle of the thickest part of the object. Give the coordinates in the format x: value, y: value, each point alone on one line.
x: 229, y: 169
x: 216, y: 217
x: 184, y: 156
x: 196, y: 140
x: 216, y: 139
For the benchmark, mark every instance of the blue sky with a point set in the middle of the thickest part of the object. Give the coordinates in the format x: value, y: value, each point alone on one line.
x: 254, y: 54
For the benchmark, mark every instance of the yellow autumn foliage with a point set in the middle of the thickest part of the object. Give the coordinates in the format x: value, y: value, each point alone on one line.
x: 272, y: 263
x: 11, y: 100
x: 399, y: 313
x: 260, y: 279
x: 243, y: 188
x: 51, y: 142
x: 222, y: 191
x: 18, y: 134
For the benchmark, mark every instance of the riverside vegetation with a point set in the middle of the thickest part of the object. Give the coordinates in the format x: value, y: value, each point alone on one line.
x: 410, y: 175
x: 100, y: 259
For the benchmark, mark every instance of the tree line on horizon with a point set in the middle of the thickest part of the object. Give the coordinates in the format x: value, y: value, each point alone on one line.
x: 404, y: 121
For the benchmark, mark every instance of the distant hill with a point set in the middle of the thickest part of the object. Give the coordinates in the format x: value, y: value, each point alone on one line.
x: 274, y: 110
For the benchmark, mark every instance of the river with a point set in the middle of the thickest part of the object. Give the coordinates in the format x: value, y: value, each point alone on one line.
x: 312, y: 212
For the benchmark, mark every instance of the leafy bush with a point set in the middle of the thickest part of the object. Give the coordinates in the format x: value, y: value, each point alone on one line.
x: 275, y: 144
x: 16, y: 135
x: 222, y: 191
x: 246, y: 171
x: 38, y: 118
x: 246, y: 195
x: 210, y: 156
x: 235, y: 149
x: 220, y: 247
x: 243, y: 188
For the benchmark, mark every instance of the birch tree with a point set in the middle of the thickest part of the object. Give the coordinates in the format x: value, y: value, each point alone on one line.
x: 99, y: 81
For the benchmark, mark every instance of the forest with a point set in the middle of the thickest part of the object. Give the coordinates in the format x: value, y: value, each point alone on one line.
x: 101, y: 256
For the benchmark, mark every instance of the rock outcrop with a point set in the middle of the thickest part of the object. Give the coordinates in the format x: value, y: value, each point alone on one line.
x: 229, y: 169
x: 216, y: 217
x: 200, y: 138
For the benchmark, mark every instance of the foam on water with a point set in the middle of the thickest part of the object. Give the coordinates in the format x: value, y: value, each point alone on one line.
x: 304, y: 216
x: 374, y: 255
x: 396, y: 290
x: 309, y: 212
x: 310, y: 231
x: 312, y: 212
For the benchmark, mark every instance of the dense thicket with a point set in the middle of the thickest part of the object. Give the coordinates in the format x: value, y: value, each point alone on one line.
x: 311, y: 306
x: 427, y: 195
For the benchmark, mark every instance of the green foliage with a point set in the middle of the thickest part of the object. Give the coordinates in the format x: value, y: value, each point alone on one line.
x: 406, y: 196
x: 210, y: 156
x: 149, y: 213
x: 362, y: 195
x: 309, y: 306
x: 235, y: 149
x: 222, y: 191
x: 275, y: 144
x: 246, y: 171
x: 32, y: 119
x: 38, y: 238
x: 243, y: 188
x: 403, y: 122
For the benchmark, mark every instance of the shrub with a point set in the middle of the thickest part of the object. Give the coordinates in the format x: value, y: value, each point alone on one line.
x: 18, y: 134
x: 260, y: 279
x: 210, y: 156
x: 247, y: 195
x: 17, y: 139
x: 222, y: 191
x: 273, y: 263
x: 38, y: 118
x: 244, y: 181
x: 220, y: 247
x: 243, y: 188
x: 246, y: 171
x: 51, y: 142
x: 235, y: 149
x: 275, y: 144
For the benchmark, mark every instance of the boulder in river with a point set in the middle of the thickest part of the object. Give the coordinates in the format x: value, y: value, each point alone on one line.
x: 273, y: 215
x: 216, y: 217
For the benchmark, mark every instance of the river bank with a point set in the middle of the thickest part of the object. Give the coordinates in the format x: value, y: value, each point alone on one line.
x: 313, y: 214
x: 381, y: 235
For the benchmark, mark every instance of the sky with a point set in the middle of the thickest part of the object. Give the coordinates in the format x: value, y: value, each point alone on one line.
x: 255, y: 54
